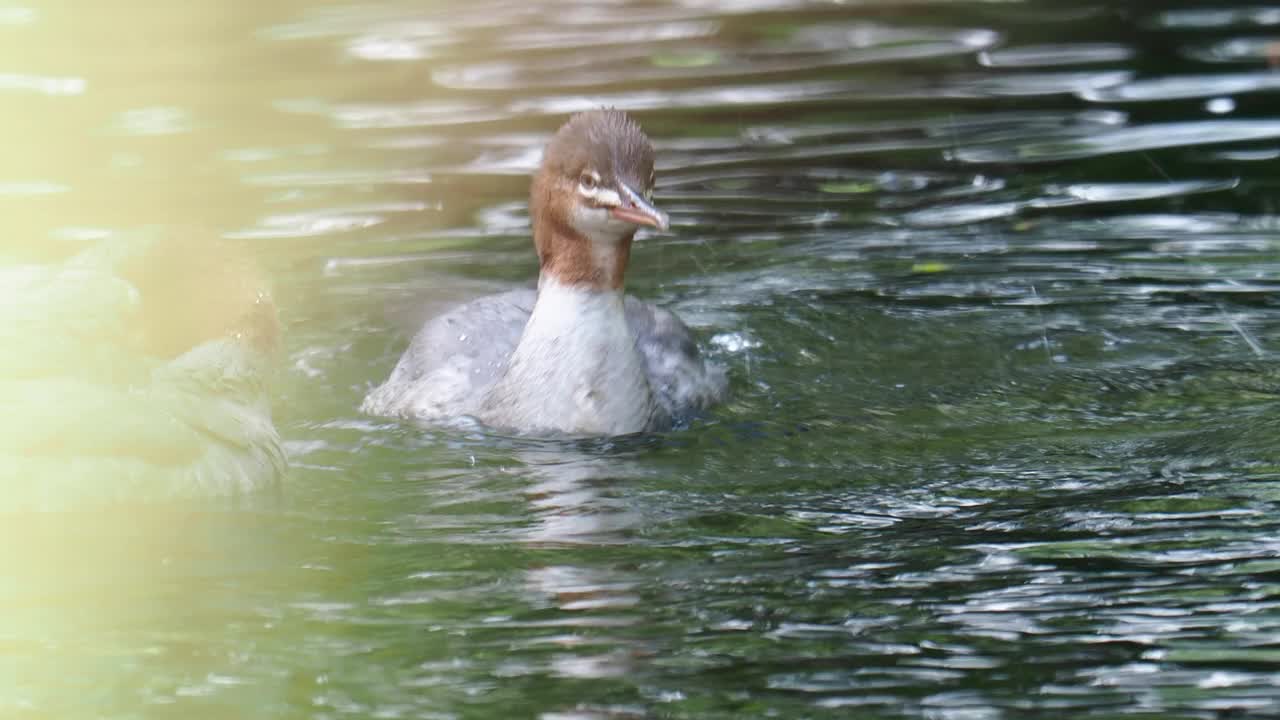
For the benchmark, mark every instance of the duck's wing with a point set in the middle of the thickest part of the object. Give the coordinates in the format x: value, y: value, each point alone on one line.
x: 454, y: 359
x: 684, y: 382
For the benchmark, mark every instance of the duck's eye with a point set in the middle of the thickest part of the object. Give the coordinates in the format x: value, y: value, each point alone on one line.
x: 589, y: 181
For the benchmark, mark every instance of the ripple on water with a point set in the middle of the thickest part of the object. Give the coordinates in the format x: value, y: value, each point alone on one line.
x: 1135, y: 138
x: 1052, y: 55
x: 1217, y: 18
x: 1184, y: 86
x: 1237, y: 50
x: 803, y: 51
x: 45, y: 85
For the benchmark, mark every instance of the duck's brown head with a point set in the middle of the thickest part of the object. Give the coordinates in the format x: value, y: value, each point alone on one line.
x: 200, y: 289
x: 593, y: 191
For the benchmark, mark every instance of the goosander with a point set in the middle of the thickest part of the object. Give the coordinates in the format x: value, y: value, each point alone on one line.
x: 136, y: 371
x: 576, y: 356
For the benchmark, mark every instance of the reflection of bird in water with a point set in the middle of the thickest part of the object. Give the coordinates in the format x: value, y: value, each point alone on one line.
x: 135, y: 370
x: 573, y: 506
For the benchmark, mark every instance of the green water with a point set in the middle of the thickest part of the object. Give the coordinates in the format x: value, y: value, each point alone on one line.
x: 994, y: 283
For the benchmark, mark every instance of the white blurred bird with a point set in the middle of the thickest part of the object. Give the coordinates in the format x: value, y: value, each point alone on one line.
x: 135, y: 371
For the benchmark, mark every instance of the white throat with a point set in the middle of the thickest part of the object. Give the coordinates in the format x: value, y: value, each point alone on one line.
x: 576, y: 368
x: 605, y: 233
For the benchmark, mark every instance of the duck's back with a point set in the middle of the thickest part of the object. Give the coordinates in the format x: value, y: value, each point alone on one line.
x: 454, y: 359
x: 457, y: 357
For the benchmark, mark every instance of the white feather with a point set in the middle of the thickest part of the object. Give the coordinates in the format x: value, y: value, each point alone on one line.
x: 580, y: 355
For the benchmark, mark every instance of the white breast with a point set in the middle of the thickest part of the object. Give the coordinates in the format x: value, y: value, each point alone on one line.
x: 576, y: 369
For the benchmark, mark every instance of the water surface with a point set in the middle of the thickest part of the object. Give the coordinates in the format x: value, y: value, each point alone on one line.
x: 994, y: 283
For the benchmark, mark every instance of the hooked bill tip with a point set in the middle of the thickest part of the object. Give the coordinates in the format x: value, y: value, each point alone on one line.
x: 637, y: 209
x: 651, y: 216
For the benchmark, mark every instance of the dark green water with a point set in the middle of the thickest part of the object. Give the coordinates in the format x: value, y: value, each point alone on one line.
x: 995, y: 283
